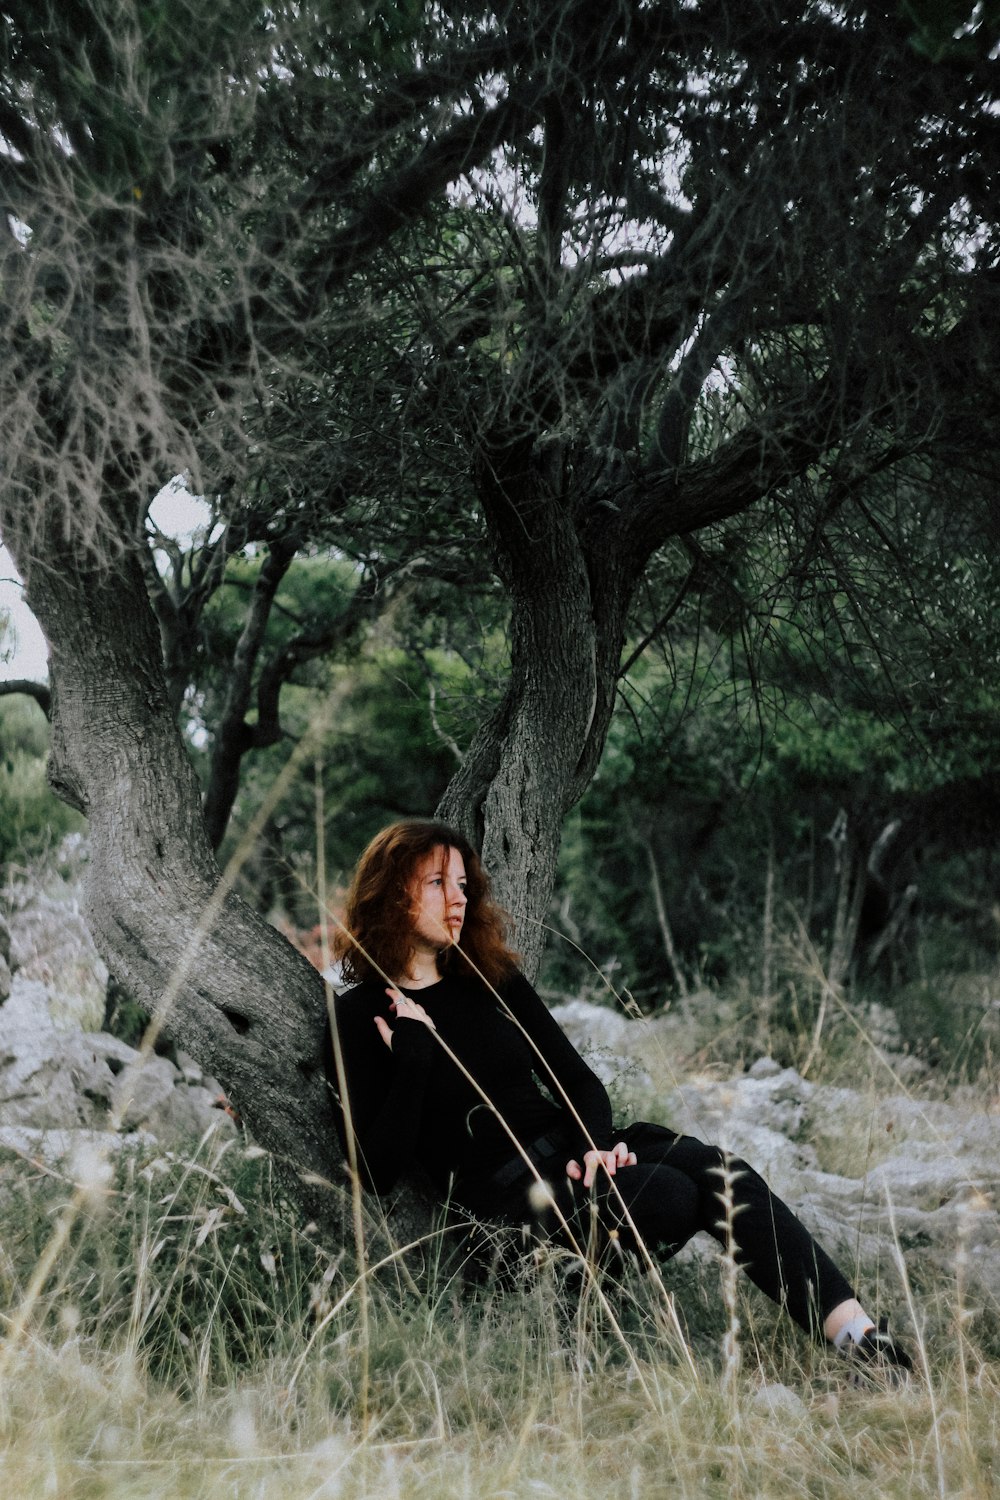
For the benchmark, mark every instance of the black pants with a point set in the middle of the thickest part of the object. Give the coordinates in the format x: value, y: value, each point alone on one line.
x: 678, y: 1187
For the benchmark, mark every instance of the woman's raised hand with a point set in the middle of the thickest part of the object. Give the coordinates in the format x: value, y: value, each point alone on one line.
x: 593, y: 1161
x: 404, y: 1009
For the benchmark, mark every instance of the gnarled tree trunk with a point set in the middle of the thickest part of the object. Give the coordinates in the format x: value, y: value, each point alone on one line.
x: 230, y: 989
x: 532, y: 760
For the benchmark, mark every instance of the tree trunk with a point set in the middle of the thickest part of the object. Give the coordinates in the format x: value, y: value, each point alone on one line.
x: 534, y: 757
x: 571, y: 559
x: 233, y: 736
x: 229, y: 988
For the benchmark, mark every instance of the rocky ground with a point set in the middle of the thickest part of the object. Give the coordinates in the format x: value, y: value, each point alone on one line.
x: 66, y: 1087
x: 882, y: 1175
x: 877, y: 1172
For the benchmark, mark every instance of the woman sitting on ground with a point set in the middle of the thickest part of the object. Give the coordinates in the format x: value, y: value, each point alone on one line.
x: 438, y: 1054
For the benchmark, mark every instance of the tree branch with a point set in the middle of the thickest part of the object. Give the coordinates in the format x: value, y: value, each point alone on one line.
x: 37, y: 690
x: 233, y: 735
x: 404, y: 194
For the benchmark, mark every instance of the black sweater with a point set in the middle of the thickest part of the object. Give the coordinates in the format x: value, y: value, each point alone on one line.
x: 411, y: 1106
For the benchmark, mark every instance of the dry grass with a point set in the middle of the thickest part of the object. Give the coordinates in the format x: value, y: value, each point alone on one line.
x: 192, y: 1341
x: 190, y: 1338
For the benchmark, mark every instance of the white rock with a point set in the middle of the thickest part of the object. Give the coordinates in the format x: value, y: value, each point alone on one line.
x: 594, y: 1027
x: 50, y: 942
x: 764, y: 1067
x: 779, y: 1400
x: 55, y: 1146
x: 67, y: 1078
x: 927, y: 1178
x: 142, y: 1089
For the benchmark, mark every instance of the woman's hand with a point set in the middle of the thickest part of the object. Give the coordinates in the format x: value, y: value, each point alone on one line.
x: 405, y: 1010
x: 593, y: 1161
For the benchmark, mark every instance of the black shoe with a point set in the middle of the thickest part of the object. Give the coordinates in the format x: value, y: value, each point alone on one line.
x: 877, y: 1359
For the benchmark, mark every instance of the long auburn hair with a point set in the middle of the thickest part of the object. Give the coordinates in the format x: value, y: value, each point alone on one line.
x: 378, y: 912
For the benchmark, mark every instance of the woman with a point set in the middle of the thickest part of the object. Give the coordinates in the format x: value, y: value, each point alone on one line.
x: 445, y: 1059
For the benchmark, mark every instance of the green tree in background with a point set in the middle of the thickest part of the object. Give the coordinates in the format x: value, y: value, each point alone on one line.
x: 32, y: 820
x: 832, y: 737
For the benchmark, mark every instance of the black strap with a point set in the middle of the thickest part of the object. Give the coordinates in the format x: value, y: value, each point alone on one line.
x: 539, y: 1153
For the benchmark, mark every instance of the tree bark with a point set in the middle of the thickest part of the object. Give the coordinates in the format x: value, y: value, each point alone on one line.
x: 571, y: 561
x: 230, y: 989
x: 233, y: 736
x: 534, y: 757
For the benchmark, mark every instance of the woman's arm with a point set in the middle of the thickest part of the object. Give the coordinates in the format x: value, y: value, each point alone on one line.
x: 575, y: 1086
x: 386, y: 1086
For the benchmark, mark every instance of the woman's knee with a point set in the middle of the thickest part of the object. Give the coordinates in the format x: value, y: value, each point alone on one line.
x: 654, y: 1204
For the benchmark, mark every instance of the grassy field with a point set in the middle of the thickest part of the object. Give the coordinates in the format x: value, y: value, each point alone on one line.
x: 172, y: 1331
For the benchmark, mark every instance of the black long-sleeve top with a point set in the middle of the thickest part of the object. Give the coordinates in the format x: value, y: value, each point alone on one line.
x: 412, y: 1106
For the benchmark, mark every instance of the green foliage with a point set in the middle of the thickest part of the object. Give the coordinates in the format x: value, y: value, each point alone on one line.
x: 313, y: 594
x: 407, y: 704
x: 381, y: 760
x: 949, y: 1018
x: 230, y: 183
x: 182, y: 1264
x: 774, y: 712
x: 32, y: 820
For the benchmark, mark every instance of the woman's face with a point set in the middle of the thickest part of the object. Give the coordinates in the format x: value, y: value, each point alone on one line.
x: 437, y: 896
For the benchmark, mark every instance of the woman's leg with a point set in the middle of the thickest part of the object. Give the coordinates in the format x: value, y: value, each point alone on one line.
x: 680, y: 1186
x: 693, y: 1186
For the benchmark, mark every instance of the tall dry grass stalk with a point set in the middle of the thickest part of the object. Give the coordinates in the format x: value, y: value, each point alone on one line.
x: 191, y: 1338
x: 195, y: 1340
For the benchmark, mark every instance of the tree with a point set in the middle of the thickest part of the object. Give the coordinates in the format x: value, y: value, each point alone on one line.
x: 769, y: 239
x: 703, y: 257
x: 827, y: 739
x: 180, y: 215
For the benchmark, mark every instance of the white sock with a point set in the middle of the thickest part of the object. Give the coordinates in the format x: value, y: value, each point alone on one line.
x: 855, y: 1330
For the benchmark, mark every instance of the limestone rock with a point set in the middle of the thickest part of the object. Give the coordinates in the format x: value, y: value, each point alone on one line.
x: 595, y: 1028
x: 778, y: 1401
x: 60, y: 1077
x: 79, y: 1150
x: 873, y: 1177
x: 764, y: 1067
x: 648, y: 1052
x: 50, y: 942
